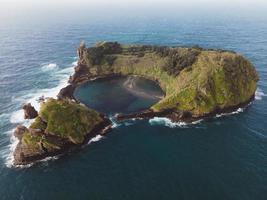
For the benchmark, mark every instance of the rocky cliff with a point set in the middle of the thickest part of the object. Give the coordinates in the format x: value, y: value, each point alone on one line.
x: 196, y: 80
x: 60, y: 126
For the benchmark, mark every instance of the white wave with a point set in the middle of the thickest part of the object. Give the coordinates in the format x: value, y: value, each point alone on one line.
x: 259, y: 94
x: 197, y: 121
x: 32, y: 97
x: 17, y: 117
x: 95, y: 139
x: 49, y: 67
x: 239, y: 110
x: 166, y: 122
x: 44, y: 161
x: 75, y: 63
x: 115, y: 124
x: 11, y: 148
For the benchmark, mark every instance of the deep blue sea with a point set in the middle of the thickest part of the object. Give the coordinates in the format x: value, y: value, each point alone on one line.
x: 221, y: 158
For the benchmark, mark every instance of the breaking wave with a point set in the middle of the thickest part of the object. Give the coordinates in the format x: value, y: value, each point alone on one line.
x: 259, y: 94
x: 33, y: 97
x: 166, y: 122
x: 96, y: 139
x: 239, y: 110
x: 51, y: 66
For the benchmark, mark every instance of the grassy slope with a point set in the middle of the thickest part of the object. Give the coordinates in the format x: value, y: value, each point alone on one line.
x: 68, y: 120
x: 216, y: 79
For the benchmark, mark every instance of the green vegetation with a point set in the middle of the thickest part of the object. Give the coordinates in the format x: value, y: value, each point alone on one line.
x: 194, y: 79
x: 38, y: 124
x: 59, y: 121
x: 68, y: 120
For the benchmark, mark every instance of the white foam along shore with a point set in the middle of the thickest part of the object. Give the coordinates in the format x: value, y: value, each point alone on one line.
x: 167, y: 122
x: 50, y: 66
x: 32, y: 97
x: 63, y: 76
x: 259, y: 94
x: 10, y: 158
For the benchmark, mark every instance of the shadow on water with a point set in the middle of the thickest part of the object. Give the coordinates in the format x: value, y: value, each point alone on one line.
x: 119, y: 94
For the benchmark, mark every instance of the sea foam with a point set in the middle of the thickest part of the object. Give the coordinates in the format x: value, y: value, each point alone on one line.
x: 32, y: 97
x: 51, y: 66
x: 166, y: 122
x: 95, y: 139
x: 259, y: 94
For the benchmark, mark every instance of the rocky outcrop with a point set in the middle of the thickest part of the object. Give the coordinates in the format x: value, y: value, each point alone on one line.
x: 29, y: 111
x: 195, y: 80
x: 81, y: 74
x: 19, y: 131
x: 66, y: 92
x: 198, y: 83
x: 61, y: 126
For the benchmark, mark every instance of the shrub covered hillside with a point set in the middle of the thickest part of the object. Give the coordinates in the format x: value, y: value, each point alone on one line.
x: 60, y: 123
x: 194, y: 79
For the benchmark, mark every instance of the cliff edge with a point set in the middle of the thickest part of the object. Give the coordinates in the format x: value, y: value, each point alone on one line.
x: 196, y: 80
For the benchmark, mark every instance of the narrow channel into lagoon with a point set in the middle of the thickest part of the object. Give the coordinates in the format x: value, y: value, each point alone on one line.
x: 119, y: 94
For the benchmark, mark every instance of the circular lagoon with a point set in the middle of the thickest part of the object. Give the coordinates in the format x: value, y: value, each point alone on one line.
x: 119, y: 94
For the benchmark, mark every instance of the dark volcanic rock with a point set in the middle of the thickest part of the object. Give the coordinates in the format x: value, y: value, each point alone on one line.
x: 66, y: 92
x: 25, y: 154
x: 20, y: 130
x: 81, y: 74
x: 29, y: 111
x: 172, y: 114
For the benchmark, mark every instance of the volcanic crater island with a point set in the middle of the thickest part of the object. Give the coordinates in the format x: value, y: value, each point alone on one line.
x: 197, y: 83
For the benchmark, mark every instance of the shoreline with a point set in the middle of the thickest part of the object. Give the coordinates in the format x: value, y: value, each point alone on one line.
x: 101, y: 129
x: 181, y: 117
x: 83, y: 75
x: 170, y: 114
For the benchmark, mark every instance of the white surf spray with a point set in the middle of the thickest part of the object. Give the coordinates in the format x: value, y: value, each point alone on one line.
x: 32, y: 97
x: 166, y: 122
x: 239, y: 110
x: 96, y: 139
x: 51, y: 66
x: 44, y: 161
x: 259, y: 94
x: 7, y: 153
x: 114, y: 122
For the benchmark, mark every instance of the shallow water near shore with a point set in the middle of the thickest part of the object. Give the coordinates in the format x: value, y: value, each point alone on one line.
x: 219, y: 158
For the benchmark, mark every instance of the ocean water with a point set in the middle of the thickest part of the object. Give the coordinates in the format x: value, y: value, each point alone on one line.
x: 221, y: 158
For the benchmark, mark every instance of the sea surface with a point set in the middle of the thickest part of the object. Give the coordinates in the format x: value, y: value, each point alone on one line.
x: 222, y: 158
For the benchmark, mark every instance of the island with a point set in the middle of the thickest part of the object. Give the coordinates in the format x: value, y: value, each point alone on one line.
x: 197, y: 83
x: 61, y: 126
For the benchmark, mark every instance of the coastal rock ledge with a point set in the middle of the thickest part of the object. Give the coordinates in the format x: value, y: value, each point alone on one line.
x: 61, y: 126
x: 197, y: 82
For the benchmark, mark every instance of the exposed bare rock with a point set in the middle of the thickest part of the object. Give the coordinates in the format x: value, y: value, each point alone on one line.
x: 81, y: 74
x: 20, y: 130
x: 66, y: 92
x: 29, y: 111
